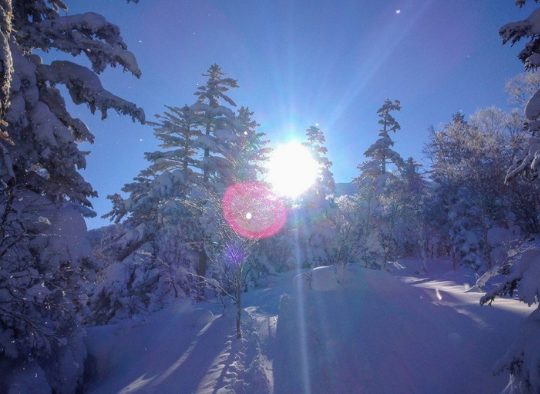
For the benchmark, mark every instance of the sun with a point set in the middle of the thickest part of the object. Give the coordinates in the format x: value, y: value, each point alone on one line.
x: 291, y: 170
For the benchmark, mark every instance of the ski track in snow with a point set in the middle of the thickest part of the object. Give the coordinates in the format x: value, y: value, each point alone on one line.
x: 375, y: 333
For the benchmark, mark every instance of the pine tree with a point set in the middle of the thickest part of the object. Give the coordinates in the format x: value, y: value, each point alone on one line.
x: 410, y: 230
x: 169, y: 180
x: 513, y: 32
x: 203, y: 148
x: 521, y: 360
x: 251, y: 149
x: 449, y: 150
x: 313, y: 218
x: 381, y: 151
x: 218, y: 132
x: 315, y: 142
x: 42, y: 194
x: 160, y: 217
x: 377, y: 186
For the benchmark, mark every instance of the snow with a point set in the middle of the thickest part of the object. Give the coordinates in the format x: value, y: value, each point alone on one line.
x: 373, y: 332
x: 84, y: 86
x: 319, y: 279
x: 29, y: 380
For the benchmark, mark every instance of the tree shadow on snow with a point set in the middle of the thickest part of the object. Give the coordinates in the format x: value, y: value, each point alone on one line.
x: 170, y: 358
x: 382, y: 337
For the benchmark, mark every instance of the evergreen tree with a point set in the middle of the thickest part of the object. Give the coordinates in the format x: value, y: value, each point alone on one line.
x: 455, y: 152
x: 160, y: 215
x: 203, y: 148
x: 413, y: 182
x: 513, y: 32
x: 160, y: 191
x: 410, y: 230
x: 42, y: 194
x: 218, y: 136
x: 469, y: 160
x: 251, y: 149
x: 377, y: 186
x: 521, y: 360
x: 381, y: 152
x: 313, y: 218
x: 315, y: 142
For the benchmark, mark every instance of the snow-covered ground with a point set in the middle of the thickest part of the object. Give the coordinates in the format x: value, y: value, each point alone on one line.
x: 366, y: 332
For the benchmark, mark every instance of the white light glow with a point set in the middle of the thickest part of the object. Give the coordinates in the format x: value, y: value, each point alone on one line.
x: 291, y: 170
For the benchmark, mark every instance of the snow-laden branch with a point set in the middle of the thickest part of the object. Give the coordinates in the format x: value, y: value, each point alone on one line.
x: 87, y: 33
x: 527, y: 28
x: 524, y: 277
x: 84, y: 86
x: 57, y: 106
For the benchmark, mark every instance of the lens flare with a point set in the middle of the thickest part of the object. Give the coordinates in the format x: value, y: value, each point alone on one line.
x: 235, y: 254
x: 253, y: 211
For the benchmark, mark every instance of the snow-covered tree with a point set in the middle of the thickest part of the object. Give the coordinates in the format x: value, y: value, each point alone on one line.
x: 312, y: 218
x: 160, y: 194
x: 250, y: 150
x: 316, y: 143
x: 219, y: 136
x: 522, y: 359
x: 409, y: 227
x: 522, y: 87
x: 513, y: 32
x: 377, y: 184
x: 43, y: 197
x: 350, y: 230
x: 204, y: 147
x: 160, y: 219
x: 375, y: 179
x: 467, y: 165
x: 381, y: 152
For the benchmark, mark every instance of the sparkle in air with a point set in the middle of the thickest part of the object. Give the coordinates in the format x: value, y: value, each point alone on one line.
x: 398, y: 12
x: 292, y: 170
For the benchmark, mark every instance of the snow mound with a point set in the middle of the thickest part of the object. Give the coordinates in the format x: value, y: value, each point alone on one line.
x: 327, y: 278
x: 324, y: 279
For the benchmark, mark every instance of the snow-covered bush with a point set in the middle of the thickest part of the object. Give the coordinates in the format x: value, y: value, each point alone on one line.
x: 522, y: 359
x: 145, y: 281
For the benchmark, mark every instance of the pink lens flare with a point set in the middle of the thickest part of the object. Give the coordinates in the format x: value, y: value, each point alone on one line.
x: 253, y: 211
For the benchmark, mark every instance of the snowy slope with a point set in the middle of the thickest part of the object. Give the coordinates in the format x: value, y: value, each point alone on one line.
x: 370, y: 332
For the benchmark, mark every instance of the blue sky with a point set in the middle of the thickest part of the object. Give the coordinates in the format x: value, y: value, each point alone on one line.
x: 300, y: 63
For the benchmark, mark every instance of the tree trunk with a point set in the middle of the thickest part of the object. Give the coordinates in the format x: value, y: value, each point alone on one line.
x: 201, y: 271
x: 487, y: 246
x: 238, y: 315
